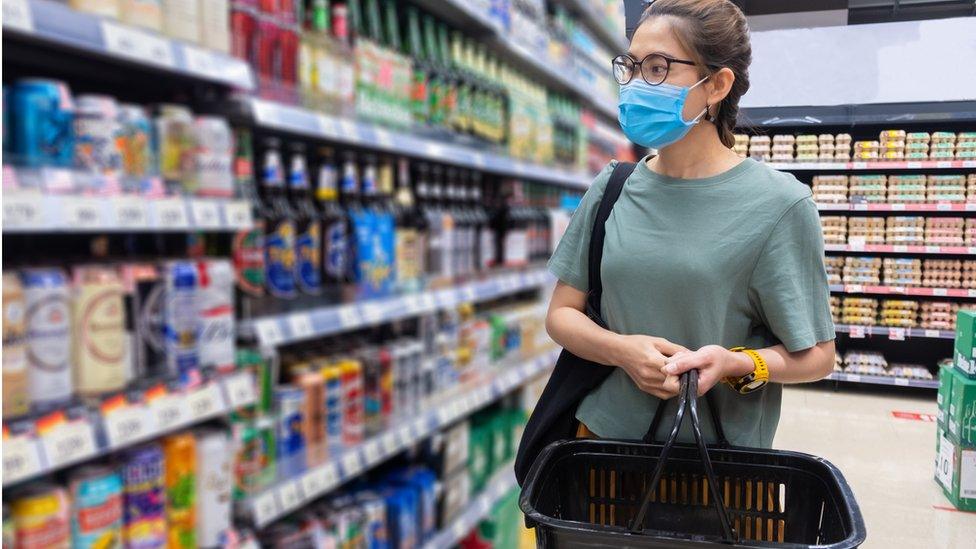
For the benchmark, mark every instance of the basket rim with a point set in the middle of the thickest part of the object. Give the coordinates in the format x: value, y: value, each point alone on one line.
x: 851, y: 509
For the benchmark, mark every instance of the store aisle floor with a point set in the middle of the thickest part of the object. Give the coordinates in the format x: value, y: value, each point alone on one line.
x: 887, y: 460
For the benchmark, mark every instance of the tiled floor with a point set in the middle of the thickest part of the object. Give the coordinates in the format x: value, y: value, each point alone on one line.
x: 889, y: 462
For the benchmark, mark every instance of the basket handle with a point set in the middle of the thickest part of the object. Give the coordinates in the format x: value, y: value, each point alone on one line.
x: 651, y: 436
x: 687, y: 397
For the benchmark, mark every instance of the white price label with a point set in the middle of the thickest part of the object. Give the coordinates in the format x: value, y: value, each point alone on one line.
x: 372, y: 313
x: 313, y: 483
x: 130, y: 212
x: 418, y: 428
x: 17, y: 15
x: 372, y: 452
x: 901, y: 382
x: 940, y: 292
x: 897, y: 207
x: 479, y: 160
x: 351, y: 464
x: 137, y: 44
x: 300, y: 326
x: 913, y: 165
x: 326, y: 126
x: 205, y: 402
x: 854, y: 378
x: 389, y: 444
x: 171, y: 213
x: 240, y: 390
x: 69, y: 442
x: 288, y: 496
x: 860, y: 207
x: 444, y: 415
x: 384, y: 139
x: 971, y: 293
x: 405, y: 436
x: 434, y: 150
x: 412, y: 303
x: 943, y: 164
x: 349, y: 316
x: 967, y: 474
x: 169, y: 411
x: 932, y: 249
x: 203, y: 62
x: 20, y: 454
x: 269, y: 333
x: 857, y: 332
x: 859, y: 165
x: 932, y: 333
x: 127, y: 424
x: 945, y: 466
x: 854, y: 288
x: 458, y: 530
x: 896, y: 334
x: 427, y: 302
x: 22, y: 210
x: 943, y: 207
x: 901, y: 248
x: 205, y: 214
x: 349, y: 129
x: 330, y: 476
x: 81, y: 213
x: 468, y: 293
x: 265, y: 508
x: 237, y: 214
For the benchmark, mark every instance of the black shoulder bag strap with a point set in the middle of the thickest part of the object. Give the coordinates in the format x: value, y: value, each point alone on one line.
x: 615, y: 184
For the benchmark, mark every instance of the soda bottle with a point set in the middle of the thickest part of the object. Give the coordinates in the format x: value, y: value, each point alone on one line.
x: 335, y: 239
x: 410, y: 233
x: 485, y: 235
x: 308, y: 273
x: 247, y: 247
x: 279, y: 245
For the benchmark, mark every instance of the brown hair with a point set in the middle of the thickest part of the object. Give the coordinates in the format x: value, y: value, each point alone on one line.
x: 716, y: 34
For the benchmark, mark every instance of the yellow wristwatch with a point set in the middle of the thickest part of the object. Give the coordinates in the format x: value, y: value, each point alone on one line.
x: 754, y: 380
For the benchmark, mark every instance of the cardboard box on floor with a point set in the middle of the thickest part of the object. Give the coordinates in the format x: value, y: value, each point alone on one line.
x: 955, y: 471
x: 946, y: 375
x: 964, y: 357
x: 960, y: 413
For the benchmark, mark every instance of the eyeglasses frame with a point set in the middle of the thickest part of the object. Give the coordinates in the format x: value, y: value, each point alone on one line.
x: 640, y: 66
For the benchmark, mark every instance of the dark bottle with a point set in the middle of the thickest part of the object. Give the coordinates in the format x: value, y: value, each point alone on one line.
x: 334, y: 226
x: 485, y: 238
x: 308, y: 265
x: 432, y: 217
x: 352, y: 204
x: 459, y: 229
x: 512, y: 227
x: 279, y: 241
x: 411, y: 229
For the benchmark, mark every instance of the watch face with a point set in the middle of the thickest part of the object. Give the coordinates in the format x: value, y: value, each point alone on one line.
x: 752, y: 386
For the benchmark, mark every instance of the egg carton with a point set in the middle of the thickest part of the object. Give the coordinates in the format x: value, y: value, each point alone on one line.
x: 943, y: 137
x: 856, y: 358
x: 909, y: 371
x: 918, y: 137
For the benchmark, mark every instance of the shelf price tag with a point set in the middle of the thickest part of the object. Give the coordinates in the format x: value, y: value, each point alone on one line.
x: 269, y: 333
x: 17, y: 15
x: 240, y: 390
x: 896, y: 334
x: 265, y: 508
x: 855, y: 378
x: 371, y: 313
x: 941, y: 292
x: 351, y: 464
x: 130, y: 212
x: 944, y: 467
x: 169, y: 410
x: 857, y: 332
x: 901, y: 382
x: 170, y: 213
x: 21, y: 210
x: 81, y: 213
x: 349, y: 316
x: 70, y: 441
x: 389, y: 444
x: 133, y: 43
x: 205, y: 214
x: 300, y: 326
x: 288, y: 496
x: 127, y: 423
x: 932, y: 333
x: 372, y: 452
x: 313, y: 483
x: 205, y: 401
x: 21, y: 455
x: 237, y: 214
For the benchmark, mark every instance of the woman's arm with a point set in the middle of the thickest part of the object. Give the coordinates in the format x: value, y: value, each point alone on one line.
x: 715, y: 363
x: 642, y: 357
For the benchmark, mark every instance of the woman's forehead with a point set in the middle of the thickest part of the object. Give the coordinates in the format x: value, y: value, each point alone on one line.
x: 656, y: 35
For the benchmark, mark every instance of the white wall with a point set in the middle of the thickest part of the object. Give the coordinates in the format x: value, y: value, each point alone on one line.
x: 880, y: 63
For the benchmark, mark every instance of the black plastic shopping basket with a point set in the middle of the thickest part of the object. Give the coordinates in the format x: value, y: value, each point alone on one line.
x: 612, y: 493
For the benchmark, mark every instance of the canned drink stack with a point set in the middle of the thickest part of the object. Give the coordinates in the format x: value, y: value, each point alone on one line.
x: 16, y: 399
x: 42, y: 123
x: 96, y: 515
x: 352, y: 402
x: 42, y: 517
x: 290, y: 403
x: 313, y: 415
x: 180, y: 461
x: 49, y: 336
x: 213, y: 479
x: 213, y: 155
x: 175, y: 137
x: 181, y: 322
x: 97, y: 133
x: 215, y: 302
x: 332, y: 375
x: 143, y: 496
x: 100, y: 353
x: 135, y: 144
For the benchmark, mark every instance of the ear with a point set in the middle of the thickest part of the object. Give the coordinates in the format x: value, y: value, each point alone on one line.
x: 719, y: 84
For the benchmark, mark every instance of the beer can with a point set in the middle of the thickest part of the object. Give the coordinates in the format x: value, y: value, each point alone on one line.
x: 247, y: 461
x: 143, y: 324
x: 352, y: 402
x: 180, y: 470
x: 42, y: 517
x: 387, y: 382
x: 215, y: 452
x: 372, y: 376
x: 144, y: 496
x: 213, y: 157
x: 99, y: 320
x: 176, y: 140
x: 374, y: 518
x: 181, y: 321
x: 49, y: 336
x: 332, y: 375
x: 134, y: 143
x: 313, y: 416
x: 290, y: 402
x: 42, y: 123
x: 96, y: 514
x: 16, y: 399
x: 9, y: 532
x: 215, y: 302
x: 97, y: 131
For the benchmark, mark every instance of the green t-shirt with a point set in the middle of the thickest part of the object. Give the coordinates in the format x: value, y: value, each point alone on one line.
x: 733, y: 260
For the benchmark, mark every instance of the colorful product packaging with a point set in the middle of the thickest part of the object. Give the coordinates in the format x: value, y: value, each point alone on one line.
x: 100, y: 341
x: 965, y: 342
x: 41, y: 516
x: 180, y: 476
x: 96, y: 515
x: 49, y: 336
x: 215, y: 452
x: 16, y: 399
x: 144, y: 498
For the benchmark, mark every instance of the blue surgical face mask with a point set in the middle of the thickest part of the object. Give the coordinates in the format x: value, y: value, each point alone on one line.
x: 651, y: 115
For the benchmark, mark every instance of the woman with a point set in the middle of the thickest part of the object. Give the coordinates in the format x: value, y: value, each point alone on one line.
x: 704, y: 251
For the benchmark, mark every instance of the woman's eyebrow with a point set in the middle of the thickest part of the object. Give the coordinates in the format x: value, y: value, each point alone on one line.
x: 658, y: 52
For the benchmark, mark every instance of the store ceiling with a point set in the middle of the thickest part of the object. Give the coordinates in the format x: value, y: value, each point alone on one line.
x: 776, y: 14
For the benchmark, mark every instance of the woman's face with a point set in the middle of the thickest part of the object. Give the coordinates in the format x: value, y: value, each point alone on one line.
x: 656, y: 36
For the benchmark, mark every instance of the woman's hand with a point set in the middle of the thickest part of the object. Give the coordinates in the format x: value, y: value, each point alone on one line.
x: 714, y: 363
x: 643, y: 357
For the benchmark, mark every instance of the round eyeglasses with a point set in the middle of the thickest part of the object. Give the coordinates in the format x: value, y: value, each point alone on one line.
x: 654, y: 68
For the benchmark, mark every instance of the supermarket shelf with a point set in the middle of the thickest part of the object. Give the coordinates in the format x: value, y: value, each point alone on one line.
x: 33, y: 212
x: 362, y: 134
x: 57, y: 24
x: 858, y: 116
x: 897, y: 249
x: 288, y: 328
x: 896, y: 334
x: 902, y: 291
x: 290, y: 495
x: 884, y: 380
x: 583, y: 10
x: 118, y: 425
x: 911, y: 208
x: 873, y: 166
x: 477, y: 510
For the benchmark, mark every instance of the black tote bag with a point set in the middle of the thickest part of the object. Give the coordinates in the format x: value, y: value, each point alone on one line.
x: 554, y: 417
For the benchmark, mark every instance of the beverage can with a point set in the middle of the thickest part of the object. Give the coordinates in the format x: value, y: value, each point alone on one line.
x: 175, y: 139
x: 313, y: 416
x: 96, y: 515
x: 49, y: 336
x: 99, y: 320
x: 135, y: 142
x: 372, y: 376
x: 215, y: 302
x: 181, y: 321
x: 181, y: 19
x: 247, y: 461
x: 143, y: 319
x: 106, y: 8
x: 332, y: 375
x: 42, y: 123
x: 374, y: 514
x: 215, y: 452
x: 214, y: 25
x: 97, y: 134
x: 308, y: 268
x: 42, y: 517
x: 279, y: 240
x: 290, y: 402
x: 144, y: 497
x: 16, y: 398
x: 180, y: 477
x: 143, y: 13
x: 352, y: 402
x: 213, y: 175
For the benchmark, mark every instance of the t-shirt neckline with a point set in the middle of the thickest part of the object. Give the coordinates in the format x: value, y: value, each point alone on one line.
x: 643, y: 170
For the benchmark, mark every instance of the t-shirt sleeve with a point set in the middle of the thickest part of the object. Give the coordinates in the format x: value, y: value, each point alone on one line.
x: 570, y: 262
x: 789, y: 284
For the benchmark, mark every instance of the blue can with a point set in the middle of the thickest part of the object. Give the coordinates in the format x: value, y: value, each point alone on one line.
x: 181, y: 322
x: 41, y: 123
x: 290, y: 403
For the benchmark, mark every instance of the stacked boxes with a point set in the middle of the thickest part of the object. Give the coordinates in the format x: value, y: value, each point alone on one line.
x: 965, y: 342
x: 942, y: 146
x: 859, y: 311
x: 946, y: 188
x: 966, y: 146
x: 945, y: 231
x: 917, y: 146
x: 906, y: 189
x: 938, y: 315
x: 867, y: 151
x: 905, y: 230
x: 862, y: 270
x: 759, y: 147
x: 827, y: 148
x: 902, y: 271
x: 896, y: 313
x: 807, y: 148
x: 833, y: 189
x: 868, y: 188
x: 866, y: 230
x: 783, y: 148
x: 892, y: 145
x: 741, y: 144
x: 834, y: 229
x: 842, y: 147
x: 956, y: 445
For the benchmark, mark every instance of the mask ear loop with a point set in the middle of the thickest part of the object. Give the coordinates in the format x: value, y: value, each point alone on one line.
x: 705, y: 114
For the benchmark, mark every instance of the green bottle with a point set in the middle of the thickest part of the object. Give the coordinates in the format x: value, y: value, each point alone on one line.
x: 419, y: 90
